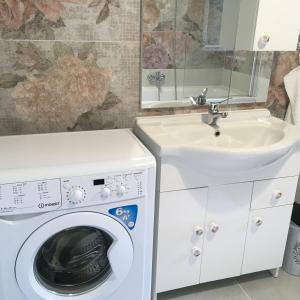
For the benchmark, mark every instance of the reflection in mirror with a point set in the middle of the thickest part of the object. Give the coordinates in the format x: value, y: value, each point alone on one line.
x: 250, y: 75
x: 188, y: 46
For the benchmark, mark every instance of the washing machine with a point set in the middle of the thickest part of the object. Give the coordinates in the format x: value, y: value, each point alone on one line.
x: 76, y: 216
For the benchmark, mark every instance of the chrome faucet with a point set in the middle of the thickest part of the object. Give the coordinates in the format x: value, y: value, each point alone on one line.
x: 201, y: 99
x: 158, y: 79
x: 214, y: 113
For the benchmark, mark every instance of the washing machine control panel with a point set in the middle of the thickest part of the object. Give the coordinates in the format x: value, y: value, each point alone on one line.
x: 97, y: 189
x: 63, y: 193
x: 30, y: 197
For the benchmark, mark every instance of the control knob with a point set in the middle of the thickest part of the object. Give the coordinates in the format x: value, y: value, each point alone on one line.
x: 121, y: 190
x: 76, y: 195
x: 105, y: 193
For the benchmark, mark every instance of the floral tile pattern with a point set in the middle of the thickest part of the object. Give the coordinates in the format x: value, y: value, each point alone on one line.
x: 158, y: 15
x: 16, y: 13
x: 74, y: 64
x: 166, y: 49
x: 93, y: 20
x: 60, y: 86
x: 175, y: 33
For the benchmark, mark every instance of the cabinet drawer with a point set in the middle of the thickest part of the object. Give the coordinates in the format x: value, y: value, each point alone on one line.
x: 274, y: 192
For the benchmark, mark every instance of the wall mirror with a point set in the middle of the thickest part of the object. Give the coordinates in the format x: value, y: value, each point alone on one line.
x: 189, y: 45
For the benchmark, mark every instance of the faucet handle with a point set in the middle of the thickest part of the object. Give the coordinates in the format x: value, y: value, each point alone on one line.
x: 219, y: 101
x: 156, y: 78
x: 224, y: 115
x: 194, y: 100
x: 214, y: 109
x: 201, y: 99
x: 204, y: 92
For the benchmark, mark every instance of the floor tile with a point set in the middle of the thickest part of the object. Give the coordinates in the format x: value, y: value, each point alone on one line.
x: 262, y: 286
x: 219, y: 290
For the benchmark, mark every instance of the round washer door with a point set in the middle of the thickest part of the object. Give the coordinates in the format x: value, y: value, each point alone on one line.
x: 83, y: 254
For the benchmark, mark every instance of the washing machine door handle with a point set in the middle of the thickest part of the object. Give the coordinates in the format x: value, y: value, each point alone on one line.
x: 120, y: 256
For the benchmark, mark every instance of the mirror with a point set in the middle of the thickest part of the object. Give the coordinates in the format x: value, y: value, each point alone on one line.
x: 188, y: 46
x: 250, y: 76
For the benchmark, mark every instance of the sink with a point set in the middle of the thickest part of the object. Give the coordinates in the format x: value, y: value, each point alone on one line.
x: 242, y: 136
x: 246, y: 140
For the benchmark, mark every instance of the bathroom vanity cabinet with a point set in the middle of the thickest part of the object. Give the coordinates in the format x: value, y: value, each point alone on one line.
x: 215, y: 223
x: 268, y: 25
x: 222, y: 231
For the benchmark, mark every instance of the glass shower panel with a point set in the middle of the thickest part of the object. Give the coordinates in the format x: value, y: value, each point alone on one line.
x: 251, y: 72
x: 159, y: 51
x: 206, y: 53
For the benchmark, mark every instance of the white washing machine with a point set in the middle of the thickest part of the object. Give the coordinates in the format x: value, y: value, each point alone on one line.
x: 76, y: 216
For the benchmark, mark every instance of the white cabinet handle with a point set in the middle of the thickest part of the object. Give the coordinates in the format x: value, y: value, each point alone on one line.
x: 196, y: 251
x: 265, y: 38
x: 263, y: 41
x: 214, y: 227
x: 277, y: 194
x: 198, y: 230
x: 258, y: 221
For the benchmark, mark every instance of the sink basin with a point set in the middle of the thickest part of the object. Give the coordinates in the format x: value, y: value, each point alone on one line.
x: 243, y: 137
x: 247, y: 140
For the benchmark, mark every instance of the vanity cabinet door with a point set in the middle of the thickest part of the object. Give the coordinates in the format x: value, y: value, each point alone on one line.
x: 226, y: 227
x: 268, y: 25
x: 266, y: 238
x: 180, y: 238
x: 279, y: 21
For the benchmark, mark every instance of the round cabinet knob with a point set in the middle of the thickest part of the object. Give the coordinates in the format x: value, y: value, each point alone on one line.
x: 265, y: 38
x: 196, y: 251
x: 105, y: 193
x: 76, y: 195
x: 277, y: 194
x: 198, y: 230
x: 121, y: 190
x: 263, y: 41
x: 258, y: 221
x: 214, y: 227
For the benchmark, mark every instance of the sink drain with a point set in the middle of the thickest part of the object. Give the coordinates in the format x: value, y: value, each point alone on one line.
x: 217, y: 133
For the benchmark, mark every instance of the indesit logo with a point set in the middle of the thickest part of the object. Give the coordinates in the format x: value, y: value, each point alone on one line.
x: 45, y: 205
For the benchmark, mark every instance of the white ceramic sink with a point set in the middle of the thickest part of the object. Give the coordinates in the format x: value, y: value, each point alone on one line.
x: 248, y: 140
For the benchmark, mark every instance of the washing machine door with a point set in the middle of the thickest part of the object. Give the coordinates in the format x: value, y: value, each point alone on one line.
x: 82, y: 254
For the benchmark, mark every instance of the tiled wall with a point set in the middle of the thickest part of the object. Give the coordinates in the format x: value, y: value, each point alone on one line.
x: 74, y: 65
x: 175, y: 32
x: 283, y: 63
x: 68, y: 64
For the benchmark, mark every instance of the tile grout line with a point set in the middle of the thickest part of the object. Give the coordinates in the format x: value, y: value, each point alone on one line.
x: 243, y: 290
